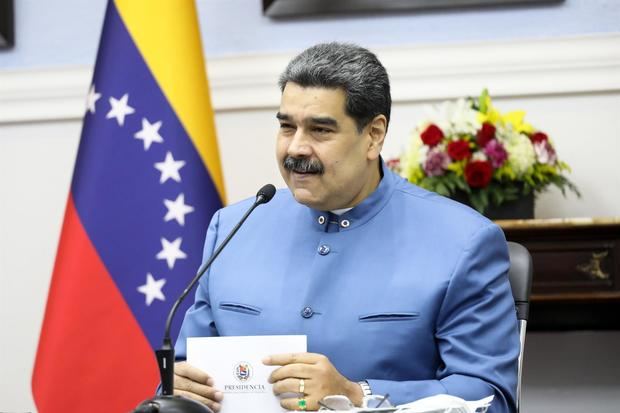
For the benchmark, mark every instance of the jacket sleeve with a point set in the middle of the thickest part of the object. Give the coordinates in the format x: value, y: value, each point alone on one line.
x: 198, y: 321
x: 476, y: 331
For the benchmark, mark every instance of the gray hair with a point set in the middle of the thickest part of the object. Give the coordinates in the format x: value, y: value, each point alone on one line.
x: 344, y: 66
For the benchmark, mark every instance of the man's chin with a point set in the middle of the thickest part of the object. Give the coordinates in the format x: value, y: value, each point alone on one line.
x: 305, y: 197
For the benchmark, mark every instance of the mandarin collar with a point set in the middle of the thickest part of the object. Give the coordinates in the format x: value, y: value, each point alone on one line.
x: 364, y: 211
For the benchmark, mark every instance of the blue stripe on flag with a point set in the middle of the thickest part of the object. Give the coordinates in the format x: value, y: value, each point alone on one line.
x: 117, y: 189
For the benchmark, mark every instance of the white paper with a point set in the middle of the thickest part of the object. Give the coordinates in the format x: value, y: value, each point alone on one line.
x: 446, y: 403
x: 235, y: 364
x: 441, y: 403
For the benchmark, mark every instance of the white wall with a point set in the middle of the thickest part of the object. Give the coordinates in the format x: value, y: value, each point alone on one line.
x: 66, y: 32
x: 571, y: 89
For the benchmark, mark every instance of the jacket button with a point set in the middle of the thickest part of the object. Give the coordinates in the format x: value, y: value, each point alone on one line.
x: 307, y: 312
x: 321, y: 220
x: 345, y: 223
x: 324, y: 249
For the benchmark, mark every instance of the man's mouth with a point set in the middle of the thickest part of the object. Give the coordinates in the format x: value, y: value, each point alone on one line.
x: 304, y: 172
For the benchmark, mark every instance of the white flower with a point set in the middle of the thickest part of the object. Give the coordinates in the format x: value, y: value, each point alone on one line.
x: 521, y: 155
x: 479, y: 156
x: 505, y: 133
x: 464, y: 119
x: 452, y: 117
x: 545, y: 153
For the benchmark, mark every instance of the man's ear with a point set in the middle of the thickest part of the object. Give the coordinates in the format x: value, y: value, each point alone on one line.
x: 377, y: 129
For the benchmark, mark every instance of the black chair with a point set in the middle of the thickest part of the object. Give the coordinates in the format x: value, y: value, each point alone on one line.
x: 520, y: 274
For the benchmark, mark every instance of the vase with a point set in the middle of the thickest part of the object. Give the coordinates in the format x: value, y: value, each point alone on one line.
x: 521, y: 208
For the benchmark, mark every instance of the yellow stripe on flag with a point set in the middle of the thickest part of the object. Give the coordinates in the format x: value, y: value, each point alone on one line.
x: 166, y: 33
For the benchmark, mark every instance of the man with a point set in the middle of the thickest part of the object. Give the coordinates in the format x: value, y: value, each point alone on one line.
x: 398, y: 290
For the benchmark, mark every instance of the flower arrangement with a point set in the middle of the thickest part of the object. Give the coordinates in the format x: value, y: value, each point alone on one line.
x: 469, y: 146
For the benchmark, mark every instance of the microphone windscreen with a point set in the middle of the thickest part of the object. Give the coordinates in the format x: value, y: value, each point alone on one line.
x: 265, y: 194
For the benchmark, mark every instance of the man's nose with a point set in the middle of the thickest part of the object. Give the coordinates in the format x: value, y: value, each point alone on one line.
x: 300, y: 144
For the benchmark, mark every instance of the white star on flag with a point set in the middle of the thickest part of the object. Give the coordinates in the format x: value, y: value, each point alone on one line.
x: 169, y: 168
x: 152, y: 289
x: 149, y: 133
x: 91, y: 99
x: 119, y: 109
x: 171, y: 251
x: 177, y: 209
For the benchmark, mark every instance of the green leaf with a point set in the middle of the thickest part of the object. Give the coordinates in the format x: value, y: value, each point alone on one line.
x: 498, y: 197
x: 441, y: 189
x: 482, y: 101
x: 462, y: 185
x: 479, y: 200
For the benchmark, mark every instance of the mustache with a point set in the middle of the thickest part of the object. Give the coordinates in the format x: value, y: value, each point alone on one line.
x: 303, y: 165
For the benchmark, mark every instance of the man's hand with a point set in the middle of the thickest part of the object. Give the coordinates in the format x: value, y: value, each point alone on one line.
x: 196, y: 384
x: 320, y: 379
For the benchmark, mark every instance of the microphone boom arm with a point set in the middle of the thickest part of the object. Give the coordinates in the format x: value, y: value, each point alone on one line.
x: 165, y: 355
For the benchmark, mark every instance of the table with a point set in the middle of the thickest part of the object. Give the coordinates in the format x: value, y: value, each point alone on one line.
x: 576, y: 271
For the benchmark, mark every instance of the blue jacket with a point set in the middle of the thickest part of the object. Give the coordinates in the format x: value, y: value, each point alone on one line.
x: 410, y: 293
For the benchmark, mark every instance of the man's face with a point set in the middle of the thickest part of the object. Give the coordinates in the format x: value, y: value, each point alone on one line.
x: 326, y: 163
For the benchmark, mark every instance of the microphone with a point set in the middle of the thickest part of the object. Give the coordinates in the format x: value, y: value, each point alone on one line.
x: 167, y: 402
x: 265, y: 194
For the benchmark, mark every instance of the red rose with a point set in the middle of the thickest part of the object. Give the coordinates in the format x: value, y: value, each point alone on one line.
x: 478, y: 174
x: 459, y: 150
x: 539, y: 137
x: 485, y: 134
x: 432, y: 135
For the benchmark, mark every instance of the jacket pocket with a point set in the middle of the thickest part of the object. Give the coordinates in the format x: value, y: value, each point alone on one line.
x: 240, y: 308
x: 389, y: 316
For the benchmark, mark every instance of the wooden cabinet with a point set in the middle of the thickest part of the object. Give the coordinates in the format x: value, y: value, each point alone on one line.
x: 576, y: 271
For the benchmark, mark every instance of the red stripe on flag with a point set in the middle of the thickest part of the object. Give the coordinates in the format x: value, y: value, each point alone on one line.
x: 92, y: 356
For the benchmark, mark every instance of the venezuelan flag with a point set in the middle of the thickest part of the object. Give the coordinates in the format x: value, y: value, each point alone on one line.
x: 146, y: 181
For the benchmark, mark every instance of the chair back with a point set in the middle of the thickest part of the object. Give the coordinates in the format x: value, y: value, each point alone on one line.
x: 520, y: 274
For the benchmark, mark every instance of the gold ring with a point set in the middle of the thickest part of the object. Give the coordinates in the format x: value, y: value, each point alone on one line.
x: 302, y: 404
x: 302, y: 386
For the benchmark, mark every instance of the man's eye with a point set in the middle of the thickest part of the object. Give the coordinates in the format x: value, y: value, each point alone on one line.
x: 286, y: 126
x: 321, y: 130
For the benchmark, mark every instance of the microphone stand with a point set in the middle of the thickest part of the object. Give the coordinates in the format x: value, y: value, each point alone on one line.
x: 167, y: 402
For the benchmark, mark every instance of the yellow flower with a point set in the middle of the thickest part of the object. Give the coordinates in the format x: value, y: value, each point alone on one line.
x: 493, y: 116
x: 515, y: 119
x: 411, y: 160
